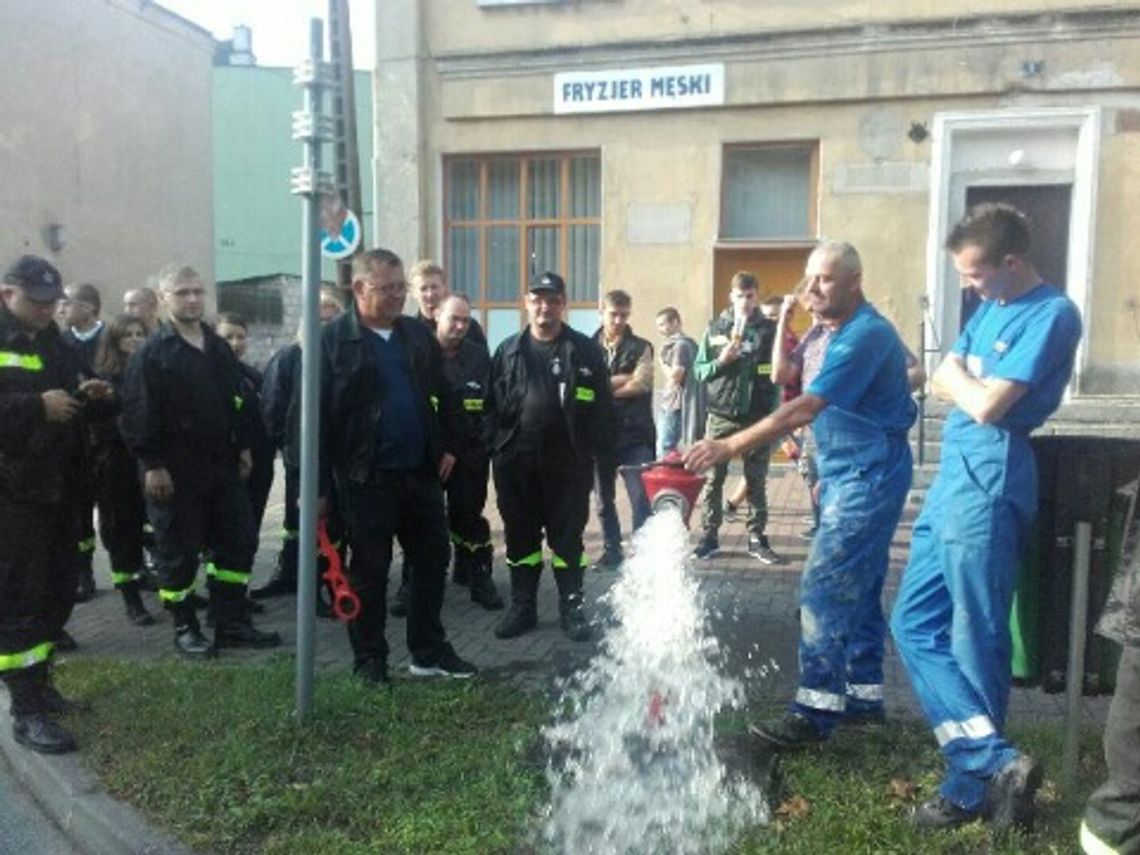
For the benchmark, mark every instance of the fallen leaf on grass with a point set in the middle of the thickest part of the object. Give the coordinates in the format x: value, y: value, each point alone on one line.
x: 797, y: 807
x: 901, y: 789
x: 1049, y: 794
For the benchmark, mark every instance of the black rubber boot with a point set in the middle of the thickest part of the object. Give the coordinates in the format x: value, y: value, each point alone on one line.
x: 31, y: 725
x: 570, y: 613
x: 188, y: 639
x: 235, y: 629
x: 136, y: 611
x: 284, y: 578
x: 483, y: 589
x: 399, y: 604
x: 522, y: 616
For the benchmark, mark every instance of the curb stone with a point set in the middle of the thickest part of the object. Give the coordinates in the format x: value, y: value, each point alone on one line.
x: 72, y: 798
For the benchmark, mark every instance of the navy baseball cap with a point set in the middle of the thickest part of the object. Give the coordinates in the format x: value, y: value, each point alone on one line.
x: 37, y: 278
x: 549, y: 283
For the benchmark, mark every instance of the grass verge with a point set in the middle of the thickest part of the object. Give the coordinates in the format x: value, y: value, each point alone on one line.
x: 212, y: 754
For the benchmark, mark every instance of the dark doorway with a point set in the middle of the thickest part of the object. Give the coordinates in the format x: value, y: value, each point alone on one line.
x: 1047, y: 207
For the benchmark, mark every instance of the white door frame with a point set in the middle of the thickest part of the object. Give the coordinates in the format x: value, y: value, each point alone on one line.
x: 947, y: 203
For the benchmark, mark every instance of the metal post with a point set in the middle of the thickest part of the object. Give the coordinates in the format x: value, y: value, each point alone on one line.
x: 309, y: 183
x: 1075, y: 673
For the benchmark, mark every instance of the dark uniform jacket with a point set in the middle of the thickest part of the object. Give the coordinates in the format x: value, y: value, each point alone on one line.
x: 633, y: 416
x: 281, y: 403
x: 742, y: 390
x: 467, y: 374
x: 587, y: 403
x: 350, y: 397
x: 37, y: 457
x: 162, y: 422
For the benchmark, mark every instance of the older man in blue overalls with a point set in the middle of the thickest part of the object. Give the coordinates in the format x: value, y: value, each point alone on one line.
x: 860, y: 409
x: 1005, y: 375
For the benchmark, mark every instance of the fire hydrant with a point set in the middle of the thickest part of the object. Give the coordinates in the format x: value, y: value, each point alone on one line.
x: 668, y: 484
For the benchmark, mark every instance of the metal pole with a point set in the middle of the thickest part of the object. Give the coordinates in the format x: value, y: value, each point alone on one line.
x: 1075, y: 673
x: 309, y: 185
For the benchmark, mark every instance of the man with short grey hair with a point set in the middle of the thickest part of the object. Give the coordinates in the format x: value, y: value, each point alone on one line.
x: 860, y: 409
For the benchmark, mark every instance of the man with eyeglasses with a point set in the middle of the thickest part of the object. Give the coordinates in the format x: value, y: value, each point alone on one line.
x: 388, y: 425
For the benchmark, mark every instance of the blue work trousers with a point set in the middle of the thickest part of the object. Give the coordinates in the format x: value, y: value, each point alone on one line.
x: 841, y: 612
x: 951, y: 617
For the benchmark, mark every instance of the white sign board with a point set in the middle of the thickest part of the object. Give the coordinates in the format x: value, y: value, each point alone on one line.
x: 668, y: 87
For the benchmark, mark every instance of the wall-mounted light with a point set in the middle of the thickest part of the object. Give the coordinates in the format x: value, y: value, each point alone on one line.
x: 1018, y: 159
x: 54, y: 236
x: 1032, y: 67
x: 918, y: 132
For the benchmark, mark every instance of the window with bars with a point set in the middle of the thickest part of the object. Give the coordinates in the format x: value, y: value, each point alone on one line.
x: 769, y: 192
x: 509, y: 218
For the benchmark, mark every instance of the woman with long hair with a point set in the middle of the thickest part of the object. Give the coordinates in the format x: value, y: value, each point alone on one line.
x: 118, y: 493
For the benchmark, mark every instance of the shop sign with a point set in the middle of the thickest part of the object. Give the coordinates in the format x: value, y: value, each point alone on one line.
x: 619, y: 90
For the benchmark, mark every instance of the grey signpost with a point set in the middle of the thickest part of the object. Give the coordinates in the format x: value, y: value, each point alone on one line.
x: 314, y: 130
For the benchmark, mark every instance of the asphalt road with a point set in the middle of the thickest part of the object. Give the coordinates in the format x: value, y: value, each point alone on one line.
x: 24, y: 830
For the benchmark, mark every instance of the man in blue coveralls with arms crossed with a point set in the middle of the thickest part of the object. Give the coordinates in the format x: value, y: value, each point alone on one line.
x: 1005, y: 375
x: 860, y: 409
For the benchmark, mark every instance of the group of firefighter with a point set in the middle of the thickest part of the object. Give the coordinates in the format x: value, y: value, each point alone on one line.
x: 416, y: 415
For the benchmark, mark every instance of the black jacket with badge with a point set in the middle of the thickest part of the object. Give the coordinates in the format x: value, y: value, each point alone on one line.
x: 38, y: 459
x: 742, y: 390
x: 162, y: 421
x: 351, y: 394
x: 584, y: 390
x: 633, y: 417
x: 467, y: 374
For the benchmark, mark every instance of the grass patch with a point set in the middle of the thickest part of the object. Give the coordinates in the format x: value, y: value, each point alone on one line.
x: 855, y: 793
x: 211, y: 753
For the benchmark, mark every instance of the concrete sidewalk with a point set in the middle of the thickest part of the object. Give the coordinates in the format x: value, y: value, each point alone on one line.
x: 751, y: 611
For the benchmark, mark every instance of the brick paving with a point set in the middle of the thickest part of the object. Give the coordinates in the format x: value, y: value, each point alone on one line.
x: 751, y: 608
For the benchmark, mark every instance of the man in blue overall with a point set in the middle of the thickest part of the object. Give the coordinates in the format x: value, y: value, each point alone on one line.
x: 860, y: 409
x: 1005, y: 375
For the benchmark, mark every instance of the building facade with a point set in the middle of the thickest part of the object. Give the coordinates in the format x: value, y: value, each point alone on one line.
x: 660, y: 146
x: 105, y: 144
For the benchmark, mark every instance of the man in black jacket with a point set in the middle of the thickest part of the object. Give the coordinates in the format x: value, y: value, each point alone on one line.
x: 549, y: 417
x: 383, y: 401
x: 185, y: 419
x: 82, y: 331
x: 40, y: 448
x: 467, y: 368
x: 630, y: 362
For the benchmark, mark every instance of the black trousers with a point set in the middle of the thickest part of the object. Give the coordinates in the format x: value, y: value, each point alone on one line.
x: 209, y: 513
x: 122, y: 512
x: 537, y: 495
x: 466, y: 497
x: 409, y: 507
x: 38, y: 571
x: 259, y: 483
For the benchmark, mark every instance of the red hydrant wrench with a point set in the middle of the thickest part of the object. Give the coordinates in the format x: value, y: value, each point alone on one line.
x: 345, y: 603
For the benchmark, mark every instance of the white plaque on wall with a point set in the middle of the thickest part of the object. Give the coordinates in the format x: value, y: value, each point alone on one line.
x: 668, y: 87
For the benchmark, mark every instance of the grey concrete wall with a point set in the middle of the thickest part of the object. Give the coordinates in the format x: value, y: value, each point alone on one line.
x: 106, y: 130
